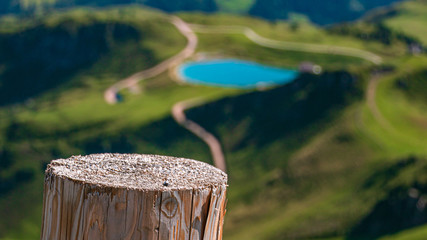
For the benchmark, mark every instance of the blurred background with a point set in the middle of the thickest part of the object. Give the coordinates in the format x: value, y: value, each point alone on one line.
x: 319, y: 108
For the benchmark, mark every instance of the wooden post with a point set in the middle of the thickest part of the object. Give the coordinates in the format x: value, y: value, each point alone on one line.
x: 131, y: 196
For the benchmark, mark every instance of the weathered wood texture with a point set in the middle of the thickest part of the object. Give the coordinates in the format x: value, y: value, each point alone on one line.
x: 92, y: 197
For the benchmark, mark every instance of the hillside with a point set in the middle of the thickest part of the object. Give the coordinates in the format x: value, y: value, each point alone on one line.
x: 324, y: 12
x: 54, y: 50
x: 319, y: 158
x: 409, y: 17
x: 316, y: 171
x: 50, y: 54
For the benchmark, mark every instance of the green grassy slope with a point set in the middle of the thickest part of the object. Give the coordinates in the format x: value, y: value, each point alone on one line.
x: 284, y: 31
x: 236, y: 6
x: 305, y: 180
x: 55, y: 49
x: 325, y: 12
x: 410, y: 18
x: 418, y: 233
x: 331, y: 178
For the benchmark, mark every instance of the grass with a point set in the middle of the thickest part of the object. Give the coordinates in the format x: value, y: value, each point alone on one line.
x: 411, y: 19
x: 324, y: 196
x: 299, y: 156
x: 239, y: 46
x: 306, y: 33
x: 240, y: 6
x: 418, y: 233
x: 406, y: 136
x: 287, y: 182
x: 275, y: 213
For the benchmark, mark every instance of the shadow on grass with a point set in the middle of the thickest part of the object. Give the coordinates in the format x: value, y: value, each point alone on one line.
x: 280, y: 112
x: 404, y: 205
x: 41, y: 58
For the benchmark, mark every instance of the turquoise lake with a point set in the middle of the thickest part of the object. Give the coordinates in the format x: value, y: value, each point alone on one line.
x: 235, y: 74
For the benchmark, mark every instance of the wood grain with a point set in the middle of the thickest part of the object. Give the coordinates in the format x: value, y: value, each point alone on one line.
x: 175, y: 215
x: 75, y: 210
x: 200, y: 206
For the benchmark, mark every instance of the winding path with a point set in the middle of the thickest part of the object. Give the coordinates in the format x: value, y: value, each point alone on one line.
x: 178, y: 110
x: 372, y: 104
x: 285, y: 45
x: 178, y: 113
x: 110, y: 95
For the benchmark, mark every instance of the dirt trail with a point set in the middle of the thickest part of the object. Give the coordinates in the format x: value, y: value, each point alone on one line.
x: 372, y: 104
x: 178, y: 109
x: 110, y: 95
x: 178, y: 113
x: 285, y: 45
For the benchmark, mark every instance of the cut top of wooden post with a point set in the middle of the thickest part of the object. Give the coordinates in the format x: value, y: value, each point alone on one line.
x: 131, y: 196
x: 138, y: 172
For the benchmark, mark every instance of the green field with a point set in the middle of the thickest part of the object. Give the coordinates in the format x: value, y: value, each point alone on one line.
x: 316, y: 187
x: 327, y: 12
x: 240, y: 6
x: 411, y: 19
x: 305, y: 32
x: 308, y: 160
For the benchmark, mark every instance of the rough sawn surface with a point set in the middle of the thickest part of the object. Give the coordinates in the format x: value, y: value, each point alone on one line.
x: 139, y: 172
